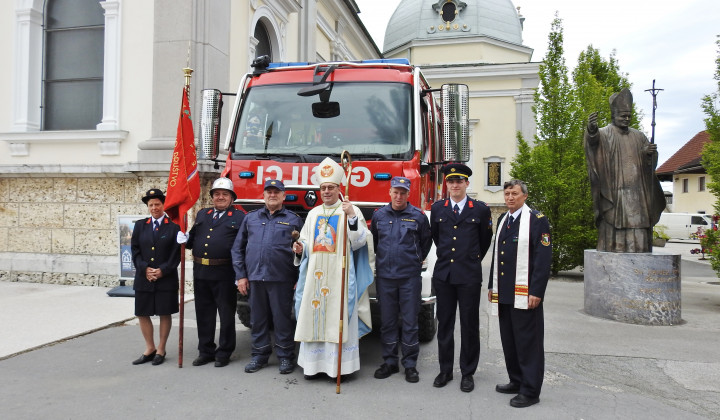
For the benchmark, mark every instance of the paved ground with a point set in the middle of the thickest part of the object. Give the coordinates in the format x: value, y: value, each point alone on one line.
x: 65, y: 353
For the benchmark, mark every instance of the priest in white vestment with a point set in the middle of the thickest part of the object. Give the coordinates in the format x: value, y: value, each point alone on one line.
x: 318, y: 292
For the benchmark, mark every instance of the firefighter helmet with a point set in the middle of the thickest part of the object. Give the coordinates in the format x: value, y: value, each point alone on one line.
x: 223, y: 184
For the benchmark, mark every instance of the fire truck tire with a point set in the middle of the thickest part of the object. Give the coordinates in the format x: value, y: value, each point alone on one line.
x: 427, y: 323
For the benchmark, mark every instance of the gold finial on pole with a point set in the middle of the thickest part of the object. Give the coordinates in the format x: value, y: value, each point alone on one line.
x: 188, y: 74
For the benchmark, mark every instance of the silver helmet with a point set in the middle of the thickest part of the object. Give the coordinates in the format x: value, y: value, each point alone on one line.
x: 223, y: 184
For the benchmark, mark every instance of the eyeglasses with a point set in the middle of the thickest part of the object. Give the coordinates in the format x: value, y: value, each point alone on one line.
x: 328, y: 187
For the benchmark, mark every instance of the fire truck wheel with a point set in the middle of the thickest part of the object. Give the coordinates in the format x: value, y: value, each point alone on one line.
x: 427, y: 323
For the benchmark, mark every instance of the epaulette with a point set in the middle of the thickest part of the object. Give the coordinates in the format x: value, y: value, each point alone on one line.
x: 291, y: 212
x: 479, y: 202
x: 539, y: 215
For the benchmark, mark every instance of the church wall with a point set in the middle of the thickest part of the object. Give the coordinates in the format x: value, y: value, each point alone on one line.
x: 7, y: 37
x: 424, y: 53
x: 492, y: 136
x: 322, y: 46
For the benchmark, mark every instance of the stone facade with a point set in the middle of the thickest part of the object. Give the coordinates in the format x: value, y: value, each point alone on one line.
x: 64, y: 230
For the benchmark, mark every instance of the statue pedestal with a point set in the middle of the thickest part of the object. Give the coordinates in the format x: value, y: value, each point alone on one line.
x: 640, y: 288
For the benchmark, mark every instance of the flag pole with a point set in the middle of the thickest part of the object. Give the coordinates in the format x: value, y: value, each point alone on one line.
x: 188, y: 74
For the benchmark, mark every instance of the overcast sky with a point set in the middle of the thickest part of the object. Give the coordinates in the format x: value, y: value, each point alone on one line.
x: 672, y: 42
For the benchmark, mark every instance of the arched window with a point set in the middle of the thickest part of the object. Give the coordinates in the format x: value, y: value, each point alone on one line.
x: 264, y: 47
x: 74, y: 32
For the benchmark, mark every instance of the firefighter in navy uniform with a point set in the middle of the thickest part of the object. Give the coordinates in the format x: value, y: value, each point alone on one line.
x: 156, y: 256
x: 520, y: 272
x: 211, y: 239
x: 462, y: 230
x: 263, y: 261
x: 401, y: 234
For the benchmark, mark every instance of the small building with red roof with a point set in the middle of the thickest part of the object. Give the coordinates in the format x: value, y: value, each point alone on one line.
x: 689, y: 178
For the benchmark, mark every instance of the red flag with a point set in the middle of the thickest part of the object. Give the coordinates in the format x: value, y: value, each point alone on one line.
x: 183, y: 187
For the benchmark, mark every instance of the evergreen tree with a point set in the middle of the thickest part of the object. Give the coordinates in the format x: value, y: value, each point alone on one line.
x: 711, y: 161
x: 555, y: 166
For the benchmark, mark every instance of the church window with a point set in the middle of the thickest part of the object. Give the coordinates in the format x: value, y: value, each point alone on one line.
x: 264, y: 46
x: 74, y: 36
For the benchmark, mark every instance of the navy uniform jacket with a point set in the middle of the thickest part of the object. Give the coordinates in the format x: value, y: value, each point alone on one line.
x: 461, y: 240
x: 214, y: 242
x: 402, y: 241
x: 539, y: 263
x: 263, y: 246
x: 163, y: 253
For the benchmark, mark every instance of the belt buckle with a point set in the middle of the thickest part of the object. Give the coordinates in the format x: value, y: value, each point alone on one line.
x: 205, y: 261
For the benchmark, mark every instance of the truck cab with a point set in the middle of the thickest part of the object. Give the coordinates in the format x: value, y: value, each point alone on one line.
x: 287, y: 117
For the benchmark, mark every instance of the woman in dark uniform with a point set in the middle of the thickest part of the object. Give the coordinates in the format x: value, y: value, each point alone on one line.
x: 156, y: 256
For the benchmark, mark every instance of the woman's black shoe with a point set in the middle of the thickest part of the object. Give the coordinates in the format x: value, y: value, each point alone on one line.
x: 144, y: 358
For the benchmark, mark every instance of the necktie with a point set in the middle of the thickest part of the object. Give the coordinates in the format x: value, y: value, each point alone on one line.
x: 215, y: 218
x: 510, y: 221
x: 456, y: 209
x: 156, y: 229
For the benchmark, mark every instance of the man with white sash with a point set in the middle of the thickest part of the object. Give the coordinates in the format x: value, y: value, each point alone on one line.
x: 318, y: 291
x: 522, y: 255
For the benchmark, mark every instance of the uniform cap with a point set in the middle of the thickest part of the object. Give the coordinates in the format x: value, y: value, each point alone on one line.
x: 274, y: 183
x: 153, y: 193
x: 400, y: 182
x: 456, y: 170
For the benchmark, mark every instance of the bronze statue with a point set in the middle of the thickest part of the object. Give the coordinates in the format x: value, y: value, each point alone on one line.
x: 627, y: 197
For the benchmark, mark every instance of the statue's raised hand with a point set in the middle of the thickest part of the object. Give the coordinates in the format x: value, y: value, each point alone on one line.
x: 592, y: 126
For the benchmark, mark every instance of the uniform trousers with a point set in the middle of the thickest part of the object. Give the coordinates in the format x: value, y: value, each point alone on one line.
x: 272, y: 300
x: 522, y: 334
x: 449, y: 298
x: 403, y: 296
x: 215, y: 298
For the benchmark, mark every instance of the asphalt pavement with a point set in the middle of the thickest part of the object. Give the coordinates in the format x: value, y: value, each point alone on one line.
x: 65, y: 353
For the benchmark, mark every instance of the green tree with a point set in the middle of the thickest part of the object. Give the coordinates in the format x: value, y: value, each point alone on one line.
x: 711, y: 159
x: 554, y: 166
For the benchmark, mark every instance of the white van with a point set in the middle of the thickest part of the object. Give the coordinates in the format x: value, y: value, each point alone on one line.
x: 684, y: 225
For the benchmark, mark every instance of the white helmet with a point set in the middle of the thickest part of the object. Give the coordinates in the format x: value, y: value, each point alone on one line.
x: 223, y: 184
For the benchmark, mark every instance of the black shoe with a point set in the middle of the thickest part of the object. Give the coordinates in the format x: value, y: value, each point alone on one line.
x: 144, y: 358
x: 467, y: 384
x: 313, y: 377
x: 411, y: 375
x: 286, y: 366
x: 202, y: 360
x: 521, y: 401
x: 511, y: 388
x: 254, y: 366
x: 442, y: 379
x: 159, y: 359
x: 222, y: 361
x: 385, y: 370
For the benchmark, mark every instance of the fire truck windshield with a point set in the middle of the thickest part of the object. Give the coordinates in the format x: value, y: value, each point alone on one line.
x: 374, y: 122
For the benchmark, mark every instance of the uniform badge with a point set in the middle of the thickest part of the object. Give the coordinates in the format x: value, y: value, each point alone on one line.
x: 545, y: 240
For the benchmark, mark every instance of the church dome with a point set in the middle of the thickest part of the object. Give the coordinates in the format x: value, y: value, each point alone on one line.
x: 447, y: 19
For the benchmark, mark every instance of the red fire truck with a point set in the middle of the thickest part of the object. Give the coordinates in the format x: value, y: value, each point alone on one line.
x: 288, y: 117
